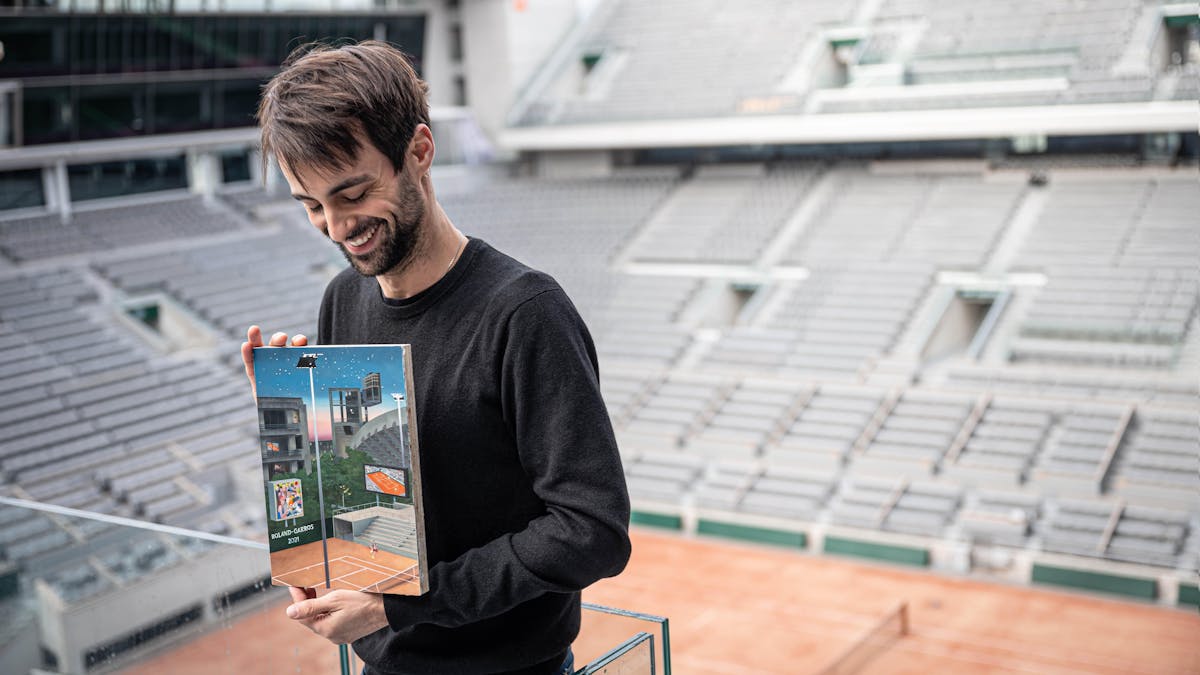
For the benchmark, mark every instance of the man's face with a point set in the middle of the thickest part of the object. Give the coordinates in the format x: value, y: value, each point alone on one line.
x: 374, y: 213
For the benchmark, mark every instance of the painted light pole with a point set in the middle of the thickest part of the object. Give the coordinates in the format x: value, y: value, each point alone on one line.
x: 309, y: 361
x: 401, y: 418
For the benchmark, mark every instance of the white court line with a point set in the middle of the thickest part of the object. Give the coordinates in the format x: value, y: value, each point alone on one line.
x: 352, y: 560
x: 412, y: 578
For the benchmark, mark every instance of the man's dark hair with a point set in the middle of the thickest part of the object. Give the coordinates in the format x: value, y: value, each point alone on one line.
x: 324, y: 95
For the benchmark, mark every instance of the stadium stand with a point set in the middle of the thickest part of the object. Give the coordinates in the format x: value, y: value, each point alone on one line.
x: 753, y: 414
x: 831, y: 326
x: 763, y: 316
x: 916, y: 434
x: 724, y: 484
x: 723, y: 213
x: 705, y: 58
x: 673, y: 412
x: 291, y: 269
x: 636, y: 326
x: 805, y: 439
x: 91, y: 412
x: 993, y: 517
x: 100, y: 229
x: 785, y: 491
x: 663, y: 477
x: 79, y: 583
x: 1078, y: 527
x: 1160, y: 460
x: 829, y: 426
x: 1085, y: 382
x: 1002, y: 445
x: 785, y: 57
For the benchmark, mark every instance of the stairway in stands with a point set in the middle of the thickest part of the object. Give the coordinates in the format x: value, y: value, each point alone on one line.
x: 398, y: 531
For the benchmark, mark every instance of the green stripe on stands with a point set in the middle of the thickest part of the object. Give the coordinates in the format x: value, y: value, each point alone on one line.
x: 758, y: 535
x: 903, y: 555
x: 1133, y: 587
x: 656, y: 520
x: 1189, y: 594
x: 1179, y: 20
x: 9, y: 582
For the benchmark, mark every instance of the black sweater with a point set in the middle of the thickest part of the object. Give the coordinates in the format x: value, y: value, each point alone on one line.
x: 525, y: 500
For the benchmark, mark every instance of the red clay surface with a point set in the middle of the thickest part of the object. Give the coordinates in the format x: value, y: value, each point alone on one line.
x: 746, y: 609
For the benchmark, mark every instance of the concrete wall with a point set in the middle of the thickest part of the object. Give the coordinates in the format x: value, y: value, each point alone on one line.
x: 504, y: 43
x: 70, y: 630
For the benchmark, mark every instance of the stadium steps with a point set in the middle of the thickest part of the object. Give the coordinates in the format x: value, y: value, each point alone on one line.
x: 399, y: 531
x: 1024, y: 217
x: 1159, y: 463
x: 1188, y: 360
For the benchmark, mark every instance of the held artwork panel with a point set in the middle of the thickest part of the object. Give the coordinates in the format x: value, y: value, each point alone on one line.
x: 341, y: 467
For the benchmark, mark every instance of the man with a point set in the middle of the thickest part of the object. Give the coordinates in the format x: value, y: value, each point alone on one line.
x: 525, y: 501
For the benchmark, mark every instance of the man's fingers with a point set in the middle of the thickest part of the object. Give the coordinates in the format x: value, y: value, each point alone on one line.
x: 301, y: 594
x: 308, y: 609
x: 253, y: 339
x: 248, y: 364
x: 339, y: 616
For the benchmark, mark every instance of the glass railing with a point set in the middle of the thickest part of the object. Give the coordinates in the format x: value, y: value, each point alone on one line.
x: 87, y: 592
x: 622, y: 641
x: 84, y: 592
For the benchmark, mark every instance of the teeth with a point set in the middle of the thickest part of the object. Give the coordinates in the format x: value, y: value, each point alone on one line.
x: 366, y: 236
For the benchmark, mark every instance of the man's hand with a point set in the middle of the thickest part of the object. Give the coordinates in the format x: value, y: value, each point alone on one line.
x: 338, y: 616
x: 254, y: 339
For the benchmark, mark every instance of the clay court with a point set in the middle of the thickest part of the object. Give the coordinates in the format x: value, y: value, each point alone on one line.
x: 351, y: 567
x: 386, y: 484
x: 737, y: 608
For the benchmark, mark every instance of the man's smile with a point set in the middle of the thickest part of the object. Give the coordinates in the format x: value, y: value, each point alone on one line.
x: 359, y: 245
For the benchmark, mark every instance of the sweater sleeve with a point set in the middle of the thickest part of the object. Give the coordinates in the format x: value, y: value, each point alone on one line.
x: 550, y: 398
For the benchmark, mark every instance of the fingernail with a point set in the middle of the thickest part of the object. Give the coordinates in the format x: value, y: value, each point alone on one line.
x: 292, y: 611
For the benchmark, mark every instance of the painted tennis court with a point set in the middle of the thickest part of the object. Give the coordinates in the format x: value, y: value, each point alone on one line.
x: 351, y: 567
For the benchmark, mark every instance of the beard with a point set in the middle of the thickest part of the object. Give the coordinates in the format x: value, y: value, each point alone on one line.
x: 400, y: 236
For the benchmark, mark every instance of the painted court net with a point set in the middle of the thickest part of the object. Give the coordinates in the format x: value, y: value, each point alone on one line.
x: 408, y: 576
x: 886, y: 631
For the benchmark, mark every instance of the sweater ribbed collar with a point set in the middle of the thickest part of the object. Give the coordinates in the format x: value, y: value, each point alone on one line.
x: 412, y: 306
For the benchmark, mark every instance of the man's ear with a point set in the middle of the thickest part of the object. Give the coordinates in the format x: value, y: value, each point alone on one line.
x: 421, y: 148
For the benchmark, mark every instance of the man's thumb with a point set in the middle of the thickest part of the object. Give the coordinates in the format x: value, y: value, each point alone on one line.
x: 302, y: 610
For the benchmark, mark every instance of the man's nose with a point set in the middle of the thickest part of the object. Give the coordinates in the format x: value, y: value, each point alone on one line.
x: 339, y: 224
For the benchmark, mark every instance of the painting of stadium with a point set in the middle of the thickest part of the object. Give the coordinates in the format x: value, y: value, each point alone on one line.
x: 341, y: 469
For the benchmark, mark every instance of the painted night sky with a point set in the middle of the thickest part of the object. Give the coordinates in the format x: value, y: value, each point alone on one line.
x: 276, y: 374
